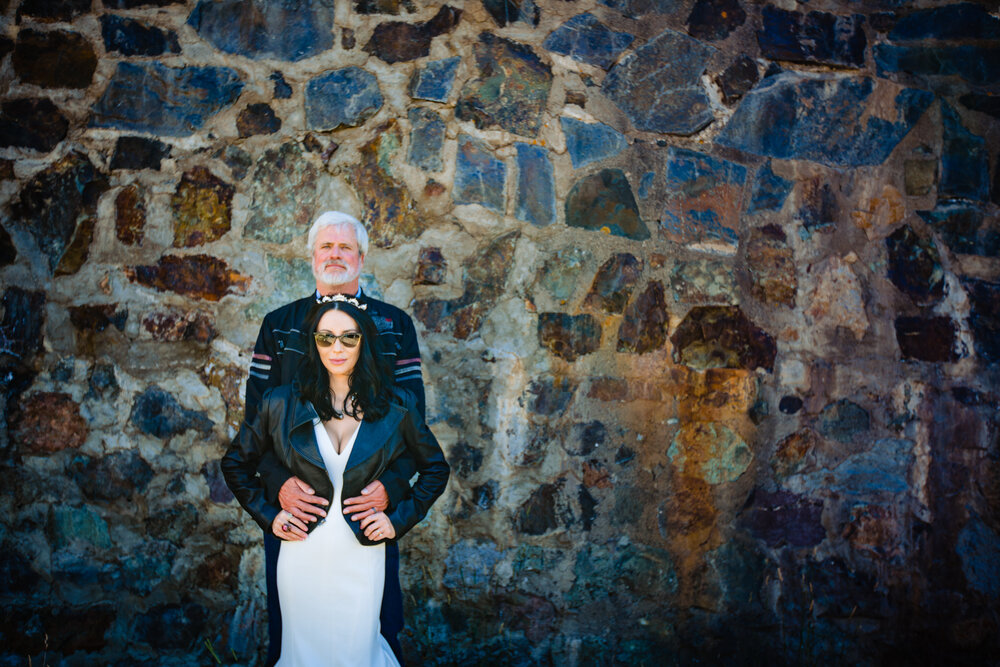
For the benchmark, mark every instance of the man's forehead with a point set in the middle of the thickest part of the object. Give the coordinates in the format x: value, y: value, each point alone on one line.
x: 337, y: 233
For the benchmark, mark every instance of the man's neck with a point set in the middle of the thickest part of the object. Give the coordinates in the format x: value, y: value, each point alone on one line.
x: 350, y: 289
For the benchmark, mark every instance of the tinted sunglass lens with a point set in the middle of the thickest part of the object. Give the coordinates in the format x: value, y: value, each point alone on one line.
x: 350, y: 339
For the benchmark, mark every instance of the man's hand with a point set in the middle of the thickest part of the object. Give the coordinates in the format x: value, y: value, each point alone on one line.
x: 298, y: 498
x: 373, y: 499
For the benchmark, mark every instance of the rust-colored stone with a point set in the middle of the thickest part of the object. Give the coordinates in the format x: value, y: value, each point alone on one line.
x: 130, y: 215
x: 200, y: 276
x: 97, y: 317
x: 771, y: 263
x: 644, y: 326
x: 717, y: 394
x: 881, y: 214
x: 431, y: 267
x: 390, y: 211
x: 54, y: 59
x: 171, y: 327
x: 49, y: 422
x: 78, y: 249
x: 608, y: 389
x: 874, y: 530
x: 791, y: 453
x: 202, y: 208
x: 722, y: 337
x: 595, y: 475
x: 227, y: 379
x: 569, y: 336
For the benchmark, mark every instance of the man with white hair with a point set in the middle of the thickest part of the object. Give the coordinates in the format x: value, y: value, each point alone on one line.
x: 338, y: 244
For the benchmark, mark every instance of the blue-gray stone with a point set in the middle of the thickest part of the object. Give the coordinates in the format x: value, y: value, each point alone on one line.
x: 984, y: 317
x: 111, y: 477
x: 838, y: 129
x: 170, y: 101
x: 646, y: 184
x: 769, y: 190
x: 591, y: 142
x: 434, y: 81
x: 815, y: 37
x: 977, y: 64
x: 701, y: 191
x: 79, y: 524
x: 155, y: 412
x: 282, y: 91
x: 961, y: 226
x: 962, y: 21
x: 637, y: 8
x: 965, y: 169
x: 132, y: 38
x: 536, y: 186
x: 587, y: 40
x: 280, y: 29
x: 343, y: 97
x: 843, y: 420
x: 469, y: 566
x: 979, y: 548
x: 883, y: 469
x: 144, y: 567
x: 657, y: 86
x: 426, y: 139
x: 479, y: 177
x: 604, y: 202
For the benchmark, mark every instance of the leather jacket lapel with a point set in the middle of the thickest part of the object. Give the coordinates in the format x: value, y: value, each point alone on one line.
x: 302, y: 436
x: 372, y: 435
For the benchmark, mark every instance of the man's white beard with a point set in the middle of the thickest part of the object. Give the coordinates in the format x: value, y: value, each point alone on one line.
x: 334, y: 278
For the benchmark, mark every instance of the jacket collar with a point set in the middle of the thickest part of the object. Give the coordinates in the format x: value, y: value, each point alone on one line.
x: 303, y: 440
x: 372, y: 435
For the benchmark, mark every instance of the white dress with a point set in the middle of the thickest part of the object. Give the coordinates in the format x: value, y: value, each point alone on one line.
x: 330, y: 587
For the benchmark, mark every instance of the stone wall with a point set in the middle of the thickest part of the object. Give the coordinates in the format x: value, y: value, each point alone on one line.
x: 708, y: 293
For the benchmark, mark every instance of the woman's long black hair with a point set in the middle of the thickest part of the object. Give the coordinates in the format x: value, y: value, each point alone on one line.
x: 370, y: 382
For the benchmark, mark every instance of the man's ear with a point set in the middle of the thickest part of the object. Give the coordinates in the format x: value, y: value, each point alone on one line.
x: 361, y: 262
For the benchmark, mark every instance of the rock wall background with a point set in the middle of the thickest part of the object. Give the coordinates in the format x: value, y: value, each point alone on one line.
x: 708, y: 293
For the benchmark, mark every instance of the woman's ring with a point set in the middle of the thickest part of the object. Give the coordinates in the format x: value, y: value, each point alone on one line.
x: 284, y: 527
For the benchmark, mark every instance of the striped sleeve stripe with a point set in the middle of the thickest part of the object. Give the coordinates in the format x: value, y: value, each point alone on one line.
x: 262, y: 357
x: 404, y: 362
x: 409, y: 375
x: 260, y: 366
x: 260, y: 376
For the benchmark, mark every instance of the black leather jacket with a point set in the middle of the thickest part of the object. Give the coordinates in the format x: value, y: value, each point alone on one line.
x: 283, y: 429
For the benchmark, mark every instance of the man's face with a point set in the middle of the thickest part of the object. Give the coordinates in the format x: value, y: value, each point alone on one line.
x: 336, y: 258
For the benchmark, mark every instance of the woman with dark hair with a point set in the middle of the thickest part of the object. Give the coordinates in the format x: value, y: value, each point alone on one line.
x: 338, y: 427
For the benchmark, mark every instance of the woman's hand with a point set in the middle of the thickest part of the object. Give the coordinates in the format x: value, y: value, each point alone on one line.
x: 286, y: 527
x: 378, y: 527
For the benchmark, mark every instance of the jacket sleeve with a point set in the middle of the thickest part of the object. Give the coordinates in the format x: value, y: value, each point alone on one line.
x: 432, y: 468
x: 265, y: 373
x: 409, y: 378
x: 239, y: 467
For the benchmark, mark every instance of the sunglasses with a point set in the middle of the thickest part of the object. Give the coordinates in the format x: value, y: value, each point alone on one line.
x: 349, y: 339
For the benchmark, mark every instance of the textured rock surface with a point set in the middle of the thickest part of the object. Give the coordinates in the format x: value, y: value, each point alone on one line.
x: 707, y: 296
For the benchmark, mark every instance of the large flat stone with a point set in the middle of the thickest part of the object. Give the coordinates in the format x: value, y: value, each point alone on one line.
x: 604, y: 202
x: 52, y: 205
x: 283, y: 184
x: 965, y: 168
x: 139, y: 153
x: 426, y: 139
x: 976, y: 64
x: 984, y: 318
x: 32, y: 123
x: 133, y: 38
x: 586, y: 39
x: 278, y: 29
x: 479, y: 176
x: 344, y: 97
x: 915, y: 266
x: 505, y: 12
x: 591, y: 142
x: 54, y: 59
x: 932, y: 339
x: 569, y: 336
x: 710, y: 451
x: 560, y: 274
x: 722, y: 337
x: 170, y: 101
x: 713, y: 20
x: 389, y: 209
x: 771, y: 264
x: 965, y: 227
x: 613, y: 283
x: 703, y: 196
x: 769, y: 190
x: 645, y: 321
x: 845, y: 125
x: 536, y: 186
x: 198, y: 276
x: 959, y: 21
x: 816, y: 37
x: 511, y: 90
x: 434, y: 80
x: 658, y: 88
x: 202, y: 208
x: 49, y: 422
x: 398, y: 41
x: 157, y: 413
x: 639, y: 8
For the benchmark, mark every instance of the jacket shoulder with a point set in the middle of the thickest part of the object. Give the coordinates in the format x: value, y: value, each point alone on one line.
x: 293, y: 310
